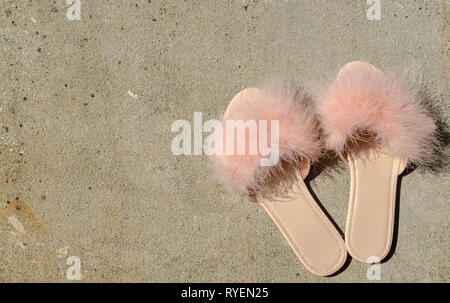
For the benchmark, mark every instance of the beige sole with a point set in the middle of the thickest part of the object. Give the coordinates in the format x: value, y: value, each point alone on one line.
x: 370, y: 219
x: 312, y: 236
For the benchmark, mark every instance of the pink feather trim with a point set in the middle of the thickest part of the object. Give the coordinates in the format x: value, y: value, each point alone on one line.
x: 362, y: 99
x: 299, y: 142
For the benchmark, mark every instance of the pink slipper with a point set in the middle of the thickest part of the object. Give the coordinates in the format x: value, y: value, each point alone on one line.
x: 378, y: 125
x: 280, y: 188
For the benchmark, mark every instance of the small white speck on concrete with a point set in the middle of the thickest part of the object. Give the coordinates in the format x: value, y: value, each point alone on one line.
x: 132, y: 94
x: 16, y: 223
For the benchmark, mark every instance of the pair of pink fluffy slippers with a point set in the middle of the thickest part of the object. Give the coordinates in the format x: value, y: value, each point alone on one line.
x: 376, y: 123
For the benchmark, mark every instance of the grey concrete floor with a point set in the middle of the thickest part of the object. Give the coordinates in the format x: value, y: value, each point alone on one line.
x: 86, y: 109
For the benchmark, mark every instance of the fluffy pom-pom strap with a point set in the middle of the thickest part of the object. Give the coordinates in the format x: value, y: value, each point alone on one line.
x: 298, y: 141
x: 363, y: 103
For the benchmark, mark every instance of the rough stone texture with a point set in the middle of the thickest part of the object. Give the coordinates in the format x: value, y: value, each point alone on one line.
x: 86, y: 110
